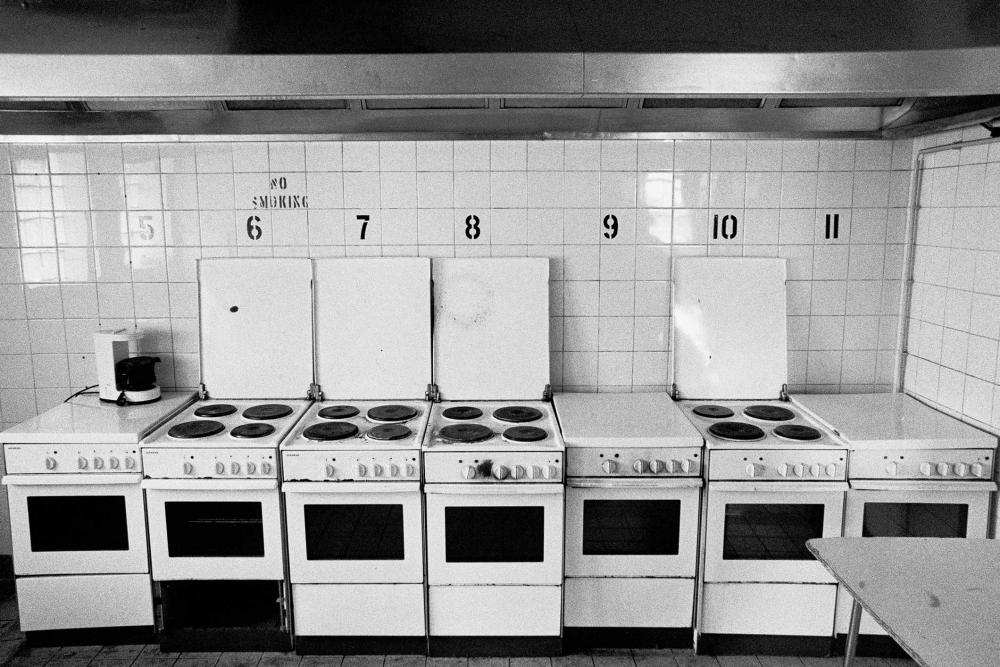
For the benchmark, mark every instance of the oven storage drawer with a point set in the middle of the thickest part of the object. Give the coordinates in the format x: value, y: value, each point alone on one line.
x: 495, y: 611
x: 75, y: 602
x: 335, y: 610
x: 342, y: 532
x: 214, y: 529
x: 629, y: 603
x: 756, y: 532
x: 632, y: 530
x: 77, y: 524
x: 494, y: 534
x: 768, y: 609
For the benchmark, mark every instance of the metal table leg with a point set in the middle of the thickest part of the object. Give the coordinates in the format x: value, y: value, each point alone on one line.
x: 852, y: 634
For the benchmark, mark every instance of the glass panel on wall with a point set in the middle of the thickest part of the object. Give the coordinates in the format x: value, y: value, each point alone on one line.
x: 915, y: 520
x: 214, y: 529
x: 760, y: 531
x: 631, y: 527
x: 78, y: 523
x: 494, y: 534
x: 354, y: 532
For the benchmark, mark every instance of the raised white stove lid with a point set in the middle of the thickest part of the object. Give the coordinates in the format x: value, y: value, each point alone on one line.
x: 892, y: 421
x: 623, y: 420
x: 256, y: 326
x: 373, y: 327
x: 491, y: 328
x: 729, y: 327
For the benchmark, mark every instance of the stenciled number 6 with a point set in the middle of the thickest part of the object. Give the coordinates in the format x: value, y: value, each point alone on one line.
x: 253, y: 229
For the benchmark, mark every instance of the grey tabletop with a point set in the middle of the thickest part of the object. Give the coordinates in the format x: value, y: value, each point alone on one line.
x: 938, y: 598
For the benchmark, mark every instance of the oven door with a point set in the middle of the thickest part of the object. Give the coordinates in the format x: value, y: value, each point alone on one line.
x: 344, y: 532
x: 757, y: 531
x: 77, y: 524
x: 487, y: 534
x: 214, y: 529
x: 632, y: 528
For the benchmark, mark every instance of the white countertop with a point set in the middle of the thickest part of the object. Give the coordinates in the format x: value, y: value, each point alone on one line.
x: 892, y: 421
x: 85, y: 420
x: 624, y: 420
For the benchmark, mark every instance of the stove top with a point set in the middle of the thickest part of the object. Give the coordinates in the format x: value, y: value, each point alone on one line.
x: 230, y: 424
x: 756, y: 424
x: 355, y: 425
x: 492, y: 425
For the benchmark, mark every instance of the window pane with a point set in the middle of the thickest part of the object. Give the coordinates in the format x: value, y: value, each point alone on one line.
x: 354, y: 532
x: 78, y: 523
x: 915, y: 520
x: 214, y: 529
x: 631, y: 527
x: 494, y: 534
x: 770, y: 532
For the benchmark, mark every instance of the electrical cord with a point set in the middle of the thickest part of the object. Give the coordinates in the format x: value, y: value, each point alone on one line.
x: 82, y: 391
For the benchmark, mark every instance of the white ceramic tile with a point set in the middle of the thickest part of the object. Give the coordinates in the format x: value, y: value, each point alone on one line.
x: 799, y: 155
x: 361, y: 156
x: 472, y: 156
x: 250, y: 157
x: 583, y: 155
x: 508, y: 226
x: 580, y: 334
x: 177, y: 158
x: 399, y: 228
x: 435, y: 156
x: 582, y: 189
x: 508, y: 155
x: 508, y: 189
x: 692, y: 155
x: 326, y: 229
x: 36, y: 229
x: 834, y: 189
x: 47, y: 336
x: 829, y: 297
x: 871, y: 188
x: 823, y: 367
x: 398, y: 189
x: 798, y: 189
x: 397, y: 155
x: 873, y: 155
x: 546, y: 190
x: 325, y: 189
x: 435, y: 189
x: 149, y: 264
x: 618, y: 155
x: 50, y: 370
x: 151, y: 300
x: 654, y: 225
x: 361, y: 189
x: 104, y: 158
x: 617, y: 262
x: 16, y: 371
x: 182, y: 264
x: 581, y: 262
x: 580, y: 368
x: 727, y: 189
x: 836, y: 154
x: 215, y: 191
x: 213, y: 158
x: 954, y: 348
x: 183, y: 300
x: 614, y: 369
x: 436, y: 226
x: 655, y: 155
x: 691, y: 189
x: 582, y: 298
x: 729, y: 155
x: 545, y: 155
x: 291, y: 228
x: 180, y: 191
x: 617, y: 297
x: 32, y: 192
x: 472, y: 189
x: 67, y: 159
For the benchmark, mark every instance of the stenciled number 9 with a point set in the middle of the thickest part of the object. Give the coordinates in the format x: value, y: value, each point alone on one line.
x: 611, y: 224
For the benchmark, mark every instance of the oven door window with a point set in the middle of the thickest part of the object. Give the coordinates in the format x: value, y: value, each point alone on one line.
x: 78, y: 523
x: 494, y: 534
x: 354, y: 532
x: 631, y: 527
x: 214, y: 529
x: 915, y: 520
x: 777, y: 531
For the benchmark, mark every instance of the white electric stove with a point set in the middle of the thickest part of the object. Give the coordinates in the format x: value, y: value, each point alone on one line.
x: 351, y: 467
x: 776, y: 478
x: 493, y: 463
x: 914, y: 472
x: 216, y: 535
x: 633, y: 477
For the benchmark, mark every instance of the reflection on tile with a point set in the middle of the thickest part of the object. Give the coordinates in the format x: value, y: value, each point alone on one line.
x: 36, y: 228
x: 32, y: 193
x: 40, y: 265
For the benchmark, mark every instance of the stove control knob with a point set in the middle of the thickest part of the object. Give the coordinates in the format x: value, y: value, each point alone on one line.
x: 330, y: 470
x: 251, y: 468
x: 535, y: 472
x: 639, y: 466
x: 500, y: 471
x: 656, y: 466
x: 976, y: 469
x: 377, y: 470
x: 961, y: 469
x: 98, y: 463
x: 234, y: 468
x: 114, y: 463
x: 220, y: 468
x: 129, y: 463
x: 610, y: 467
x: 891, y: 468
x: 551, y: 472
x: 469, y: 472
x: 410, y: 470
x: 50, y: 463
x: 783, y: 469
x: 188, y: 468
x: 266, y: 468
x: 751, y: 470
x: 815, y: 470
x: 926, y: 469
x: 360, y: 470
x: 82, y: 463
x: 517, y: 472
x: 393, y: 470
x: 831, y: 469
x: 686, y: 466
x: 943, y: 469
x: 799, y: 469
x: 672, y: 466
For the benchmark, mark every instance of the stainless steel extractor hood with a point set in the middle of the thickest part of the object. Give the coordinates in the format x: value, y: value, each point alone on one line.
x: 478, y: 68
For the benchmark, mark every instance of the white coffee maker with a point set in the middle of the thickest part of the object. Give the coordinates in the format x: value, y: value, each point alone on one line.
x: 124, y: 377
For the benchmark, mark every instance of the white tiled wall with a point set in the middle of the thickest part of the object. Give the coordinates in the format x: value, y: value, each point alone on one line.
x: 107, y: 234
x: 954, y: 324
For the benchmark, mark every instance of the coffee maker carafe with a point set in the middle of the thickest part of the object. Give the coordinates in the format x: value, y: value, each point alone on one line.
x: 124, y: 377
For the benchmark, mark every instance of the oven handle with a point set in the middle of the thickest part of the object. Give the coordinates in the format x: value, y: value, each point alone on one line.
x: 779, y: 487
x: 921, y: 485
x: 637, y: 483
x: 351, y: 487
x: 494, y: 489
x: 209, y: 484
x: 96, y: 479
